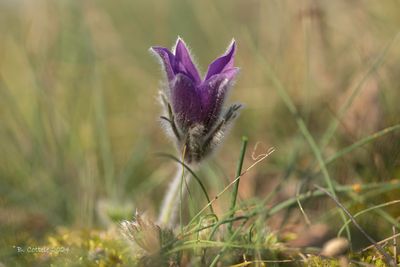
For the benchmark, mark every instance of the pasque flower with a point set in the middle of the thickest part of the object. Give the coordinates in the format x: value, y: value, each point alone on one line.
x: 194, y: 106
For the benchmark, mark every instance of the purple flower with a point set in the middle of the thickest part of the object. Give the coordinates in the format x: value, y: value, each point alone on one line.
x: 194, y: 105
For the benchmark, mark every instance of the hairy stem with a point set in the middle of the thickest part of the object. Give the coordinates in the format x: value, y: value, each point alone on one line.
x: 172, y: 199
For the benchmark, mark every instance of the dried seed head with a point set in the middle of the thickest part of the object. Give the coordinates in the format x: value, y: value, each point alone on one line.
x: 206, y: 223
x: 142, y: 232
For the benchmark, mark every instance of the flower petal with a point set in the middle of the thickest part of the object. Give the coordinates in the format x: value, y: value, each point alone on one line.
x: 185, y: 101
x: 222, y: 63
x: 213, y: 93
x: 230, y: 74
x: 168, y: 61
x: 185, y: 63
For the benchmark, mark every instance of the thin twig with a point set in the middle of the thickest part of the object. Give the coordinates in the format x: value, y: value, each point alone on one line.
x: 269, y: 152
x: 394, y: 244
x: 382, y: 241
x: 367, y: 210
x: 308, y: 222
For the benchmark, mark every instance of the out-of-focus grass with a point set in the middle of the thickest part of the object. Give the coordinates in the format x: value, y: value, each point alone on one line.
x: 79, y: 127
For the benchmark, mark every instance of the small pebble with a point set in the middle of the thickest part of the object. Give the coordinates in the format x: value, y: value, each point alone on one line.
x: 335, y: 247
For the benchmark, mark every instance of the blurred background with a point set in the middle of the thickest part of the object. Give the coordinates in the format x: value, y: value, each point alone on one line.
x: 79, y: 115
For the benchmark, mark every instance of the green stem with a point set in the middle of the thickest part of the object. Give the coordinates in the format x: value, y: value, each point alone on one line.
x: 198, y: 180
x: 236, y: 185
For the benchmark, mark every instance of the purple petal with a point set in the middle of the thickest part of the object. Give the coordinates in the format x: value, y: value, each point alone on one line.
x: 213, y: 94
x: 185, y: 101
x: 230, y: 74
x: 211, y: 87
x: 222, y: 63
x: 185, y: 63
x: 168, y: 60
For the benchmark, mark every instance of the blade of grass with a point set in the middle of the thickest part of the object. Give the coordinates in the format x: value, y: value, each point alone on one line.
x: 268, y: 153
x: 306, y: 219
x: 262, y: 262
x: 361, y: 142
x: 236, y: 185
x: 304, y: 130
x: 388, y: 186
x: 190, y: 244
x: 367, y: 210
x: 364, y: 199
x: 292, y: 201
x: 394, y: 244
x: 380, y: 212
x: 387, y: 258
x: 233, y: 236
x: 8, y: 100
x: 331, y: 129
x: 103, y: 138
